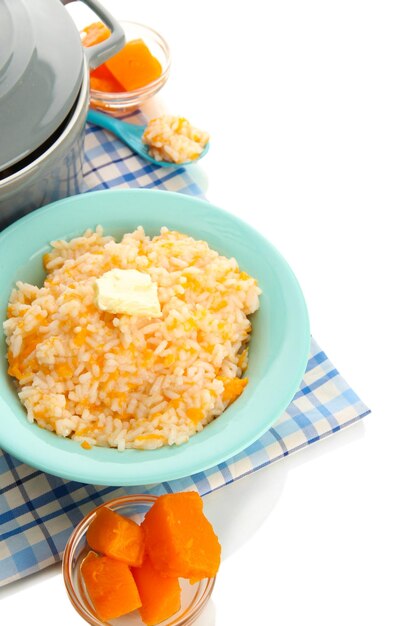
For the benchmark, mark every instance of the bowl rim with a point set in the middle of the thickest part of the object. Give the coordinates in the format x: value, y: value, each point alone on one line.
x: 117, y: 96
x: 69, y: 552
x: 65, y: 459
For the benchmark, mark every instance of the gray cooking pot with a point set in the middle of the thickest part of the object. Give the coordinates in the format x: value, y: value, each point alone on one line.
x: 44, y: 98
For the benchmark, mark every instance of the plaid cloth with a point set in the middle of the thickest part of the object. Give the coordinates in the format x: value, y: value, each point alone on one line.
x: 38, y: 511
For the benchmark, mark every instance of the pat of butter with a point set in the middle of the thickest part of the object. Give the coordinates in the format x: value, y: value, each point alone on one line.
x: 129, y: 292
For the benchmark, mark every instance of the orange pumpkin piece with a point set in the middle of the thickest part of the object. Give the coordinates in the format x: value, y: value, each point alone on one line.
x: 102, y: 80
x: 160, y: 596
x: 110, y: 586
x: 233, y: 388
x: 117, y: 537
x: 195, y: 415
x: 180, y: 541
x: 134, y: 66
x: 95, y: 33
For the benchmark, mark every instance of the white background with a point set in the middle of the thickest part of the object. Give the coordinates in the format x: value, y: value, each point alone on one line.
x: 302, y: 101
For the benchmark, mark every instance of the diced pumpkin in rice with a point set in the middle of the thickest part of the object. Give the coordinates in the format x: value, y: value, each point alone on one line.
x: 18, y: 364
x: 80, y: 337
x: 169, y: 360
x: 151, y: 441
x: 63, y: 370
x: 195, y: 415
x: 150, y: 436
x: 15, y: 371
x: 233, y: 387
x: 45, y: 260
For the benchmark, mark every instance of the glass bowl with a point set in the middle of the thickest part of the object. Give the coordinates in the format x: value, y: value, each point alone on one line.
x: 121, y: 103
x: 193, y: 597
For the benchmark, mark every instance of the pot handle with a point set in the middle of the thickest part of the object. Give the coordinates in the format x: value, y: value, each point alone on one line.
x: 101, y: 52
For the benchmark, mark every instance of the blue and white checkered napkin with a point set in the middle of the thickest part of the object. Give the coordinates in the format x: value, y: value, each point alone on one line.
x: 38, y: 511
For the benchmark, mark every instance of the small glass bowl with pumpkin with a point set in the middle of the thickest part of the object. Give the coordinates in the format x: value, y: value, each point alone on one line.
x: 142, y: 560
x: 134, y: 74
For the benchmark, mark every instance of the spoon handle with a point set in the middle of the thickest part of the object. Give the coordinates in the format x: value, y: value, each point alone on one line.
x: 105, y: 121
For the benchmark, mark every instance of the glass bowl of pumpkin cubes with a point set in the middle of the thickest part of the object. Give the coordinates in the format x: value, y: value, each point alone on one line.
x: 134, y: 74
x: 142, y: 560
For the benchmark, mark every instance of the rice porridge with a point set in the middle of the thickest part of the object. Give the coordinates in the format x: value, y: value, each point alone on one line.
x: 128, y: 381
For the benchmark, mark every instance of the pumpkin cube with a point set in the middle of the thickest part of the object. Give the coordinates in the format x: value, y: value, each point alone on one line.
x: 180, y: 541
x: 110, y: 586
x: 134, y: 66
x: 160, y: 595
x: 117, y: 537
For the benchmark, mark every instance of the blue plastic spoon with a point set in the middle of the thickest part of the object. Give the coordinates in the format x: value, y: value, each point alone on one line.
x: 131, y: 134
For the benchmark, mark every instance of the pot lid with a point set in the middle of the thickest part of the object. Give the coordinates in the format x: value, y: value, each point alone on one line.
x: 41, y: 66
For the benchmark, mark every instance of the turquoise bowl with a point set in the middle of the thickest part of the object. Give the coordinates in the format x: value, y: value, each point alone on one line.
x: 278, y: 349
